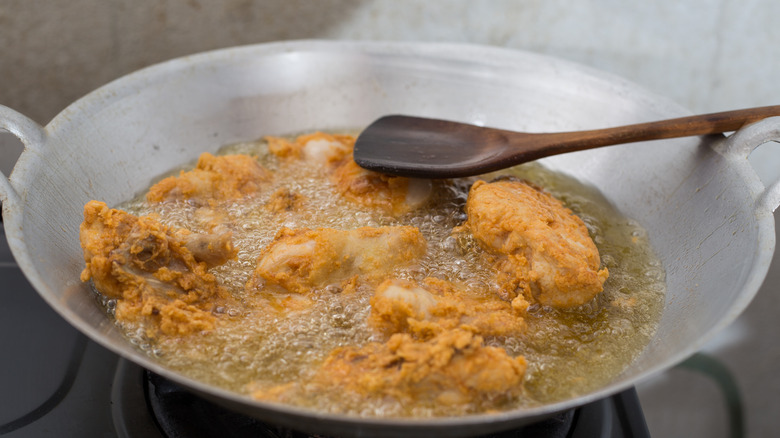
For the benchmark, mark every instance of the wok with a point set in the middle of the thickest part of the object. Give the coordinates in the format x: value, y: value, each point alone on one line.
x: 708, y: 215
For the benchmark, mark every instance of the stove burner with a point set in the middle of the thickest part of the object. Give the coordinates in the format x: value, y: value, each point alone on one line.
x: 148, y: 405
x: 180, y: 413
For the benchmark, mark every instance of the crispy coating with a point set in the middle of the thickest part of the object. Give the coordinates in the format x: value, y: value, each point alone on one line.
x: 317, y: 148
x: 453, y: 368
x: 156, y: 273
x: 284, y: 200
x: 400, y: 306
x: 391, y: 194
x: 214, y: 179
x: 299, y: 260
x: 214, y: 221
x: 543, y: 250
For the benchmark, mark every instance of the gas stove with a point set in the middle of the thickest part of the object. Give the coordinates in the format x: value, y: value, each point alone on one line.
x: 55, y: 382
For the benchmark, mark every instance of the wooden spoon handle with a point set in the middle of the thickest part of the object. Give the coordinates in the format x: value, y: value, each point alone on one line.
x: 681, y: 127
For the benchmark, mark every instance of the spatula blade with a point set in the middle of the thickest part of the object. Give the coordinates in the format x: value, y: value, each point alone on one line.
x: 429, y: 148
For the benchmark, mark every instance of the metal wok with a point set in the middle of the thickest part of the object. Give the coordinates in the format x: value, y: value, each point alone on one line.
x: 708, y: 215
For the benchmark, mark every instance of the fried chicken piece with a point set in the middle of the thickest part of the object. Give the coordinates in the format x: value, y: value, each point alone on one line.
x: 214, y: 179
x: 213, y: 245
x: 212, y: 221
x: 158, y: 274
x: 316, y: 148
x: 392, y: 194
x: 299, y: 260
x: 453, y: 368
x: 542, y: 249
x: 284, y: 200
x: 211, y: 249
x: 400, y: 306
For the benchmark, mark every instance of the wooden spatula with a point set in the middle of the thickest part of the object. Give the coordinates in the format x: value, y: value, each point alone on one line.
x: 429, y: 148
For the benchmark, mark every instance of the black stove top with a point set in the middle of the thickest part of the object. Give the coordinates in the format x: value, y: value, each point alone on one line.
x: 178, y: 413
x: 55, y: 382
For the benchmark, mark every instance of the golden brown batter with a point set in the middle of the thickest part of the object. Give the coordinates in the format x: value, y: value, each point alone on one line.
x: 543, y: 251
x: 214, y: 179
x: 302, y: 260
x: 453, y: 368
x: 437, y: 306
x: 395, y: 195
x: 157, y: 274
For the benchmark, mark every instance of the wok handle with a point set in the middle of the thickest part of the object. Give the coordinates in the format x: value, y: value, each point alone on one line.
x: 744, y: 141
x: 32, y: 136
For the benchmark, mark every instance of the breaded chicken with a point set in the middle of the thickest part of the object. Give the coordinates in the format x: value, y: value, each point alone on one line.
x: 212, y: 221
x: 284, y: 200
x: 156, y: 273
x: 542, y: 249
x: 393, y: 195
x: 316, y: 148
x: 425, y: 310
x: 214, y: 179
x: 453, y: 368
x: 300, y: 260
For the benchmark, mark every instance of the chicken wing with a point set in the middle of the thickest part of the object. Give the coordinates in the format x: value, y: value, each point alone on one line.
x: 453, y: 368
x: 394, y: 195
x: 157, y: 274
x: 301, y: 260
x: 542, y: 249
x: 317, y: 148
x: 214, y: 179
x: 435, y: 306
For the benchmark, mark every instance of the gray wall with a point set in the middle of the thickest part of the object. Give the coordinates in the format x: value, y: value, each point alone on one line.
x: 707, y: 55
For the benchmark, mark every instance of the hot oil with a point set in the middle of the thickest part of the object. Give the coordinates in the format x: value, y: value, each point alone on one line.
x: 569, y: 352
